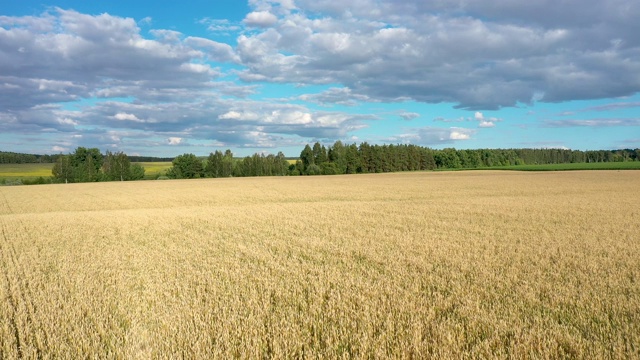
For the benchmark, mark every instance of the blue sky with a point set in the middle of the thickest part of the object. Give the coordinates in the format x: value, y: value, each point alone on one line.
x: 160, y: 78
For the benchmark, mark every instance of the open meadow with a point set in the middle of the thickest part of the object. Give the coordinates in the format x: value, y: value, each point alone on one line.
x: 475, y: 264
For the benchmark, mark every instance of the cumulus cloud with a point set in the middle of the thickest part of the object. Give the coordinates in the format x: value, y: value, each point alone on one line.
x: 215, y: 50
x: 149, y: 87
x: 434, y: 136
x: 295, y: 120
x: 260, y: 19
x: 170, y: 88
x: 459, y: 135
x: 66, y: 56
x: 478, y: 56
x: 485, y: 122
x: 174, y: 140
x: 124, y: 116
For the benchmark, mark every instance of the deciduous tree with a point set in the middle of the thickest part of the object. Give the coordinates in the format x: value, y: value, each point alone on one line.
x: 186, y: 166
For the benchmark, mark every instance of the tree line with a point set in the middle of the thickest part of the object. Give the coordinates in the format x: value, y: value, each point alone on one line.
x: 7, y: 157
x: 18, y: 158
x: 366, y: 158
x: 89, y: 165
x: 218, y: 164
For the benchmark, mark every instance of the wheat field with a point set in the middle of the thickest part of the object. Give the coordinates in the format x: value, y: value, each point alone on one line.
x: 414, y: 265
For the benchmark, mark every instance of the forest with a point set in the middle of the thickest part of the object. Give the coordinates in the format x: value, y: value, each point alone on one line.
x: 366, y: 158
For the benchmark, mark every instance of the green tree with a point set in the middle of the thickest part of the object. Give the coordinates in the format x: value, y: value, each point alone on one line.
x: 337, y: 155
x: 352, y: 160
x: 63, y: 170
x: 86, y: 164
x: 296, y: 169
x: 136, y: 172
x: 329, y: 168
x: 319, y: 154
x: 227, y: 164
x: 314, y: 169
x: 186, y: 166
x: 116, y: 167
x: 307, y: 158
x: 214, y: 165
x: 282, y: 165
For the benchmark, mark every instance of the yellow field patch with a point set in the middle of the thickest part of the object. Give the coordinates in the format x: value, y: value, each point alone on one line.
x: 21, y: 171
x: 411, y: 265
x: 153, y: 169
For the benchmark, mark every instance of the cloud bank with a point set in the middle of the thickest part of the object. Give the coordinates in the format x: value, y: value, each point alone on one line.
x: 99, y: 80
x: 474, y: 54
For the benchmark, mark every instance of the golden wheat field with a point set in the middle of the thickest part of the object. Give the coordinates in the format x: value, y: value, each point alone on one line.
x: 414, y: 265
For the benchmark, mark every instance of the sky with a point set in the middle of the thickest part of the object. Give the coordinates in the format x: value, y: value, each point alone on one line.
x: 163, y: 78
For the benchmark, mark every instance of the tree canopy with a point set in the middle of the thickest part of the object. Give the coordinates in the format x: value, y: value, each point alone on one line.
x: 88, y: 165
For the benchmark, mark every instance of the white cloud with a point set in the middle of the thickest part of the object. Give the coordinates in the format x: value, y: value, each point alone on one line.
x: 198, y: 68
x: 174, y: 140
x: 478, y: 56
x: 433, y: 136
x: 289, y: 117
x: 459, y: 135
x: 260, y: 19
x: 146, y: 21
x: 67, y: 56
x: 67, y: 121
x: 215, y: 50
x: 231, y: 115
x: 127, y: 117
x: 168, y: 36
x: 157, y: 82
x: 241, y: 115
x: 486, y: 124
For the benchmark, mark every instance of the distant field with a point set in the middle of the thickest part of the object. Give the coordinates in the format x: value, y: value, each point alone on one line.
x: 25, y: 171
x: 422, y: 265
x: 32, y: 171
x: 628, y: 165
x: 154, y: 169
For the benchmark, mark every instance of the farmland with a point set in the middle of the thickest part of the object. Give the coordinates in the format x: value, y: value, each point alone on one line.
x: 422, y: 264
x: 154, y: 169
x: 25, y: 171
x: 11, y: 172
